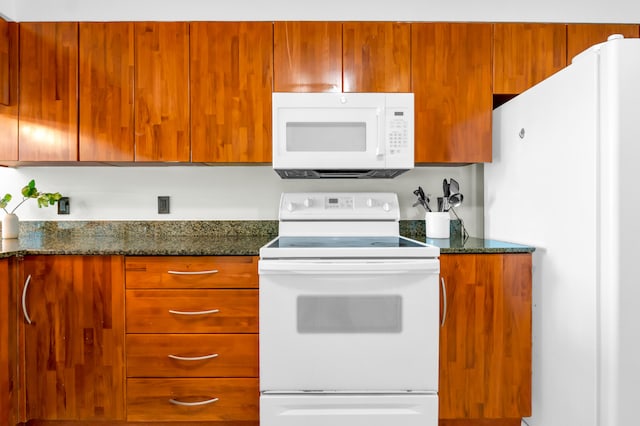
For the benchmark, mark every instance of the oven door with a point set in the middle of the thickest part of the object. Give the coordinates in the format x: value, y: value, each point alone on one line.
x: 349, y: 325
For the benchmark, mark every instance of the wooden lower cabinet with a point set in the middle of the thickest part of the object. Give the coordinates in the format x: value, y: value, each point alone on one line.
x: 485, y: 342
x: 74, y: 338
x: 9, y: 383
x: 192, y: 399
x: 192, y: 340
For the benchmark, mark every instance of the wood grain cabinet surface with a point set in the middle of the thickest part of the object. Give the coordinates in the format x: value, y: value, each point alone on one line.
x: 231, y: 78
x: 161, y: 103
x: 9, y: 88
x: 485, y: 343
x: 583, y: 36
x: 48, y: 101
x: 376, y: 56
x: 192, y: 338
x: 525, y: 54
x: 307, y: 57
x: 451, y: 80
x: 9, y: 356
x: 74, y: 345
x: 106, y: 91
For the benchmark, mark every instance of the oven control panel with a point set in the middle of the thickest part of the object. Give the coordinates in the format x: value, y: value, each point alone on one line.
x: 329, y: 206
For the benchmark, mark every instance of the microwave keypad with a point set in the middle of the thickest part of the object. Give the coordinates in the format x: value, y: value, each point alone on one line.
x: 397, y: 136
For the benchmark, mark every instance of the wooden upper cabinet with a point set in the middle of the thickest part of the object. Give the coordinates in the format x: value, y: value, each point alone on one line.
x: 48, y: 127
x: 451, y: 80
x: 307, y: 57
x: 5, y: 61
x: 485, y: 342
x: 9, y: 88
x: 376, y: 57
x: 106, y: 91
x: 526, y: 54
x: 162, y: 91
x: 231, y: 84
x: 583, y: 36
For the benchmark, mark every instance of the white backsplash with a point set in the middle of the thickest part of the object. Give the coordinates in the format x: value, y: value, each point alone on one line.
x: 217, y: 192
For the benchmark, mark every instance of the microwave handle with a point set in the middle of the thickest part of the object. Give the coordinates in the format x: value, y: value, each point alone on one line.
x: 379, y: 153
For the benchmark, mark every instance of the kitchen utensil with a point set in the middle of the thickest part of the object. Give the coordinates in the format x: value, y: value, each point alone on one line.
x: 440, y: 204
x: 455, y: 199
x: 445, y: 188
x: 454, y: 187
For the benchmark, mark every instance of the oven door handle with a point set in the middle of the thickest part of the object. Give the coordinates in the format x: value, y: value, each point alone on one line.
x: 386, y: 267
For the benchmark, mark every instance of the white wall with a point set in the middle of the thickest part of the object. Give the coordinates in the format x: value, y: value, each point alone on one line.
x: 619, y: 11
x: 216, y: 193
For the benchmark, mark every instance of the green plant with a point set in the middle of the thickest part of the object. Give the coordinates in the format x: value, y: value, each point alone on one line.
x: 45, y: 199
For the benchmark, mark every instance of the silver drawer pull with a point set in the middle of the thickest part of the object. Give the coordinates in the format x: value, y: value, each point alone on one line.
x: 213, y: 271
x: 212, y: 311
x: 24, y: 300
x: 192, y: 358
x: 193, y: 404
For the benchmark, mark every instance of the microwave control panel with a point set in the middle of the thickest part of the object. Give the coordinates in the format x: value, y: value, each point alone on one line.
x: 397, y: 130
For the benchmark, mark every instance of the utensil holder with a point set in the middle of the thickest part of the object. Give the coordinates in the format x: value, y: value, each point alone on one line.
x: 437, y: 224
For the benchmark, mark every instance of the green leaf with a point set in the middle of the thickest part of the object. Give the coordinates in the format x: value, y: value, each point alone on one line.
x: 5, y: 200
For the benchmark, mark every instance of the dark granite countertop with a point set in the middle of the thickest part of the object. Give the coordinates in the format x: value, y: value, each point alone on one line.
x: 188, y: 238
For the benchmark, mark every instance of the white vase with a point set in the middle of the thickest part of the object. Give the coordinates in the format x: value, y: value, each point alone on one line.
x: 10, y: 226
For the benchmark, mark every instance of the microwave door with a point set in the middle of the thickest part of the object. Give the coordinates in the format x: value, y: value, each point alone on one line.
x: 329, y: 138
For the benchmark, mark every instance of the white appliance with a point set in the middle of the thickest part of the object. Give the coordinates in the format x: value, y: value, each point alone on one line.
x: 349, y: 316
x: 342, y: 135
x: 566, y: 163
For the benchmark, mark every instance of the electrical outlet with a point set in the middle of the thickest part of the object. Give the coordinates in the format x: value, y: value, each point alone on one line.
x: 64, y: 205
x: 163, y: 204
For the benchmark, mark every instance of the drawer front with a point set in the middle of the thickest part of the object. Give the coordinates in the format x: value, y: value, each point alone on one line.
x: 192, y: 399
x: 191, y: 272
x: 192, y: 355
x: 192, y: 311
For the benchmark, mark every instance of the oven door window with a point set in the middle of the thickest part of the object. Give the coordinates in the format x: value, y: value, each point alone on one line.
x: 349, y: 314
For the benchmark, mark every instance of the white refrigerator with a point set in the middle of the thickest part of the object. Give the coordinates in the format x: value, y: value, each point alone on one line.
x: 565, y: 178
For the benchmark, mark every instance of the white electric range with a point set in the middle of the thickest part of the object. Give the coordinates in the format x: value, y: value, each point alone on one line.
x: 349, y: 316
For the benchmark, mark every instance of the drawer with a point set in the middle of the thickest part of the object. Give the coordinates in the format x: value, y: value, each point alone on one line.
x: 192, y: 399
x: 191, y: 272
x: 192, y: 355
x: 192, y: 311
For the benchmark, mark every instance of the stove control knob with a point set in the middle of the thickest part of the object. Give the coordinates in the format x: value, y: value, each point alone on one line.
x: 290, y: 206
x: 308, y: 202
x: 386, y: 207
x: 369, y: 202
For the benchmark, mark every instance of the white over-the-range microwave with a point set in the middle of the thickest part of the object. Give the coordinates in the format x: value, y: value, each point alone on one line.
x: 342, y: 135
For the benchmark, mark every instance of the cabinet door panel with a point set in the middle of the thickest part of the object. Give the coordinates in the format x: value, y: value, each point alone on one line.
x: 582, y: 36
x: 307, y: 57
x: 231, y: 84
x: 451, y: 80
x: 485, y: 344
x: 162, y: 91
x: 48, y: 128
x: 9, y: 104
x: 526, y: 54
x: 377, y: 57
x: 106, y: 91
x: 74, y: 346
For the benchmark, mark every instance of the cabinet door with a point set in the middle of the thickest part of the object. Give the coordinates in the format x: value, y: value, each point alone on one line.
x: 485, y: 343
x: 9, y: 103
x: 74, y: 343
x: 307, y: 57
x: 451, y: 80
x: 376, y: 57
x: 582, y: 36
x: 9, y: 384
x: 231, y: 84
x: 526, y: 54
x: 106, y: 91
x: 48, y: 129
x: 162, y: 91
